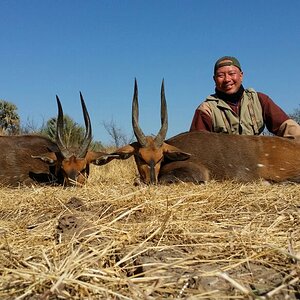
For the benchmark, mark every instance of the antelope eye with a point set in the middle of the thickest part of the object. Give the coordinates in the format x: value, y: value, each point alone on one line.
x: 141, y: 160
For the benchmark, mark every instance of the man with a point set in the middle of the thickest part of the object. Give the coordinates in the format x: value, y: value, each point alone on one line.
x: 235, y: 110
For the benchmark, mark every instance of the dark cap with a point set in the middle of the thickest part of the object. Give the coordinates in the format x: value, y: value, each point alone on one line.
x: 227, y: 61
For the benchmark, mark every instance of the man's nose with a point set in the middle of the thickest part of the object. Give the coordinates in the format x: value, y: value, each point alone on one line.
x: 227, y: 77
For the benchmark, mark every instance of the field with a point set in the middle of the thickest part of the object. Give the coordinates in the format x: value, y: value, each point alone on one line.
x: 113, y: 240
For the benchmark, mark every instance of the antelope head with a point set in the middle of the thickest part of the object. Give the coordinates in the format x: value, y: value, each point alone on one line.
x: 73, y: 163
x: 149, y: 152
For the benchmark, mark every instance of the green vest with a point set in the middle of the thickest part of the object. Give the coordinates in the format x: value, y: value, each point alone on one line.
x: 224, y: 119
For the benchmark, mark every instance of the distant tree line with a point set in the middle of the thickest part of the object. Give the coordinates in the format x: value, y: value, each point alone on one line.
x: 73, y: 132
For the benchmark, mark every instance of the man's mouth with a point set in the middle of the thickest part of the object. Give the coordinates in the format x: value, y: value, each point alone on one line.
x: 229, y: 86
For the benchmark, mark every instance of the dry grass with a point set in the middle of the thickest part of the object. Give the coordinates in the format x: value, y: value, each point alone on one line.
x: 113, y: 240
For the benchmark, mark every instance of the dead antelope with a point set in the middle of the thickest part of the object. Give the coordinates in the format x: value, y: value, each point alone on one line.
x: 30, y: 158
x: 202, y: 156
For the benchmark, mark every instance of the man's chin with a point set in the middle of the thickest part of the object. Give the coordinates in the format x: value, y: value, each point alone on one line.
x: 230, y: 91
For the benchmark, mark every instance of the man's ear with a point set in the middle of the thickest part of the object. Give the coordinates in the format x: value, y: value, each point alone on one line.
x: 173, y: 153
x: 48, y: 157
x: 100, y: 158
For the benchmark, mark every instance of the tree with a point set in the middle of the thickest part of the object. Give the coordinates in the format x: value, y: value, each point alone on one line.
x: 295, y: 115
x: 30, y: 127
x: 118, y: 137
x: 9, y: 118
x: 73, y: 133
x: 96, y: 146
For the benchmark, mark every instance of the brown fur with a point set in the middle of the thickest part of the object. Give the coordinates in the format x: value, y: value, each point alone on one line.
x: 202, y: 156
x: 241, y: 158
x: 73, y: 170
x: 28, y: 159
x: 16, y: 164
x: 72, y: 163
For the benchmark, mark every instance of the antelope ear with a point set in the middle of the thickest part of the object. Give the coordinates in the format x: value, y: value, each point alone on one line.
x: 126, y: 151
x: 173, y: 153
x: 48, y: 157
x: 99, y: 158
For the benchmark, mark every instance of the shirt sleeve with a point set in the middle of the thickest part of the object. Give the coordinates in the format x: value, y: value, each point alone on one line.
x: 201, y: 121
x: 273, y: 115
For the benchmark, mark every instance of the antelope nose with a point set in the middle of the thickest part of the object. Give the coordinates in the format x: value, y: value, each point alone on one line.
x: 153, y: 179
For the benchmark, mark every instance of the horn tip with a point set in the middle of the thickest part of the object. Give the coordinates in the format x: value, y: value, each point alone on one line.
x: 58, y: 101
x: 81, y: 97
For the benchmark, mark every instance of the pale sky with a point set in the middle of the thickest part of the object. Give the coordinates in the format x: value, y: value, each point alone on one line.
x: 62, y: 47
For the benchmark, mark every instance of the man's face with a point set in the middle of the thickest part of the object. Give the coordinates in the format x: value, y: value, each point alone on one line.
x: 228, y: 79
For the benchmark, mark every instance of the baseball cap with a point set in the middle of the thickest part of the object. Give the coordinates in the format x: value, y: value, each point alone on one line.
x: 227, y: 61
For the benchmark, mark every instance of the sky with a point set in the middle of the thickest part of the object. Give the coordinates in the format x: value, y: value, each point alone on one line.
x: 98, y: 47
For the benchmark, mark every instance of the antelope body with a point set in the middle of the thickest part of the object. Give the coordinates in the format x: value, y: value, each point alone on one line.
x: 28, y: 159
x: 18, y: 167
x: 234, y: 157
x: 202, y: 156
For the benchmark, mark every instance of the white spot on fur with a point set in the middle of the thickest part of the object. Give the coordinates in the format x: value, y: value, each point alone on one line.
x: 267, y: 154
x: 230, y: 165
x: 247, y: 169
x: 273, y: 147
x: 282, y: 169
x: 260, y: 165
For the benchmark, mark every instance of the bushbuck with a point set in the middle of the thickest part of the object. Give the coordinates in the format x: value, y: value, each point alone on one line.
x: 28, y: 159
x: 201, y: 156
